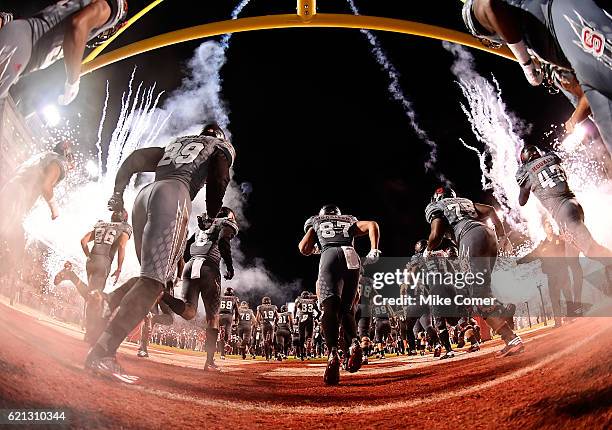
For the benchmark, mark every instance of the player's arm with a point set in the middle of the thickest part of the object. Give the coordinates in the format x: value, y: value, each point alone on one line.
x: 236, y: 314
x: 524, y: 195
x: 369, y: 228
x: 498, y: 18
x: 52, y: 174
x: 216, y: 182
x: 308, y: 242
x: 225, y: 249
x: 436, y: 234
x: 84, y: 242
x: 488, y: 212
x: 187, y: 252
x: 123, y: 240
x: 258, y: 316
x: 141, y: 160
x: 180, y: 266
x: 76, y: 33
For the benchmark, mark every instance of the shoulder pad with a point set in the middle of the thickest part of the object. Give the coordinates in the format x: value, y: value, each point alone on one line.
x: 433, y: 211
x: 521, y: 176
x: 227, y: 148
x: 309, y: 223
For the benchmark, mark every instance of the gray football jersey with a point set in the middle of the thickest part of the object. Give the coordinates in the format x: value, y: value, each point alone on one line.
x: 267, y: 312
x: 227, y: 304
x: 246, y: 317
x: 186, y: 159
x: 459, y: 212
x: 48, y: 27
x: 305, y: 308
x: 546, y: 179
x: 333, y: 230
x: 106, y: 237
x: 283, y: 320
x: 206, y: 242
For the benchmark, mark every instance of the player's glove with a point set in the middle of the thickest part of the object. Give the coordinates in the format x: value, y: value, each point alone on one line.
x: 530, y: 65
x: 316, y: 250
x: 115, y: 203
x: 230, y: 273
x: 204, y: 222
x: 71, y: 90
x: 372, y: 256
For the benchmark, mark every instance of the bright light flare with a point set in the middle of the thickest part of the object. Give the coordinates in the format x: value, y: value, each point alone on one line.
x: 51, y: 115
x: 575, y: 138
x: 92, y: 169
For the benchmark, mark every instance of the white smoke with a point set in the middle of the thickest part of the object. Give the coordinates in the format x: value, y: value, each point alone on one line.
x: 498, y: 131
x: 398, y: 95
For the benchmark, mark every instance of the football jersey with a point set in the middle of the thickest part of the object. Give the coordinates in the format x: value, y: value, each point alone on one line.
x: 106, y: 237
x: 459, y: 212
x: 48, y: 28
x: 305, y: 308
x: 283, y: 320
x: 206, y: 242
x: 227, y: 304
x: 380, y: 311
x: 246, y: 316
x: 30, y: 174
x: 186, y: 160
x: 267, y: 312
x: 333, y: 230
x: 546, y: 178
x: 366, y: 294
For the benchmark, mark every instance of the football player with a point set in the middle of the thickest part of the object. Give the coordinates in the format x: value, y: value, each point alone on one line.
x: 572, y: 34
x: 304, y: 311
x: 339, y: 267
x: 228, y: 314
x: 382, y: 314
x: 267, y: 315
x: 284, y: 328
x: 542, y: 174
x: 202, y: 275
x: 465, y: 222
x: 61, y: 30
x: 160, y: 216
x: 246, y: 323
x: 36, y: 177
x: 109, y: 239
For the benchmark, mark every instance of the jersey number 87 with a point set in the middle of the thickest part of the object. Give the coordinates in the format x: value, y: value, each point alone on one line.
x: 329, y: 230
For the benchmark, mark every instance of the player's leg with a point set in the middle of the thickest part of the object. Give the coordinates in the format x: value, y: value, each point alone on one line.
x: 554, y: 292
x: 348, y: 291
x: 165, y: 227
x: 211, y: 297
x: 480, y: 246
x: 192, y: 285
x: 145, y: 332
x: 15, y: 52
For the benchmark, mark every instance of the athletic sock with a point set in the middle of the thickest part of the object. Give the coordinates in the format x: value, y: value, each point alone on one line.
x: 445, y: 339
x: 210, y: 345
x: 506, y: 333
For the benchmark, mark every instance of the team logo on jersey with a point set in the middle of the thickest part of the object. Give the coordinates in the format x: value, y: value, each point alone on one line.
x: 593, y: 41
x: 590, y: 40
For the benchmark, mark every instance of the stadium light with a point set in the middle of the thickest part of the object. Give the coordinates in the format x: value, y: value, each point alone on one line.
x: 51, y: 115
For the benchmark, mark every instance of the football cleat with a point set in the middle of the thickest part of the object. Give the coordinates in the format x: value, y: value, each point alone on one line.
x: 449, y: 354
x: 332, y: 371
x: 355, y: 359
x: 437, y: 351
x: 514, y: 347
x: 108, y: 367
x: 212, y: 367
x: 474, y: 347
x: 142, y: 354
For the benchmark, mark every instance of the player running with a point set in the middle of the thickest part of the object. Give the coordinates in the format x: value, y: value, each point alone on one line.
x: 339, y: 268
x: 202, y: 275
x: 160, y: 216
x: 228, y: 314
x: 246, y: 323
x: 542, y: 174
x: 61, y: 30
x: 37, y: 177
x: 304, y: 313
x: 267, y: 315
x: 109, y: 239
x: 465, y: 221
x: 284, y: 328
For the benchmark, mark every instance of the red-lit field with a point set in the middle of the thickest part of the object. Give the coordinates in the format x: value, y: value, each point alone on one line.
x: 564, y: 380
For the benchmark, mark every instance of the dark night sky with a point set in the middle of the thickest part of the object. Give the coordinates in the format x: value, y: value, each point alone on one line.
x: 313, y: 122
